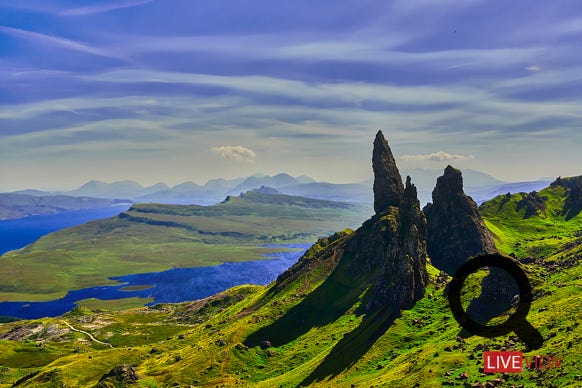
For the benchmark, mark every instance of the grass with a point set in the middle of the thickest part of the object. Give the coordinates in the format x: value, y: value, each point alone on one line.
x: 113, y: 305
x: 201, y: 343
x: 538, y: 235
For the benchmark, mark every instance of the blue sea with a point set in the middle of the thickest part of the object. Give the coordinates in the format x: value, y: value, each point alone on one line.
x: 19, y: 232
x: 171, y: 286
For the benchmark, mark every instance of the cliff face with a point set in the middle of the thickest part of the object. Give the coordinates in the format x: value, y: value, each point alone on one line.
x: 390, y: 251
x: 388, y: 188
x: 390, y: 248
x: 456, y: 231
x: 573, y: 202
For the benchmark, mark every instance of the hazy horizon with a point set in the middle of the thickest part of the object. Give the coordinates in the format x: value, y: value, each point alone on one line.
x: 403, y: 172
x: 176, y: 90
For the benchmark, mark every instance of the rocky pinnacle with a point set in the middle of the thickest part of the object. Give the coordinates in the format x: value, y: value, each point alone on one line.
x: 388, y: 187
x: 456, y: 230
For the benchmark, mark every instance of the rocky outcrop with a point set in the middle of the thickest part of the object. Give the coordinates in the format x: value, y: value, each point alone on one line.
x: 456, y: 231
x: 380, y: 268
x: 498, y: 294
x: 401, y: 245
x: 122, y: 374
x: 392, y: 244
x: 573, y: 202
x: 387, y: 254
x: 388, y: 186
x: 532, y: 204
x: 413, y: 236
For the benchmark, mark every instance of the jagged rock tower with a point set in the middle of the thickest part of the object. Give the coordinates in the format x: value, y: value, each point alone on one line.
x: 387, y: 255
x: 456, y: 230
x: 388, y: 188
x: 380, y: 268
x: 390, y: 248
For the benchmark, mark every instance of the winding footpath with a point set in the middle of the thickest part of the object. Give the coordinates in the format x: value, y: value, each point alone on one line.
x: 87, y: 334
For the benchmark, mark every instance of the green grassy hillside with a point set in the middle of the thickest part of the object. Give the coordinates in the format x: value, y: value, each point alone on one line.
x: 201, y: 344
x: 228, y: 339
x: 151, y: 237
x: 534, y: 225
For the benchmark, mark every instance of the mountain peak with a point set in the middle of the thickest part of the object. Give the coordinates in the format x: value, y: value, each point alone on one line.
x: 388, y: 188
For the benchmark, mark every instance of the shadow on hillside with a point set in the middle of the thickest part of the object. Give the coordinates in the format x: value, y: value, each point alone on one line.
x: 332, y: 299
x: 352, y: 346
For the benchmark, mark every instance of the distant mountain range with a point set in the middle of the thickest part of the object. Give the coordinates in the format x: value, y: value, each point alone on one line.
x: 479, y: 185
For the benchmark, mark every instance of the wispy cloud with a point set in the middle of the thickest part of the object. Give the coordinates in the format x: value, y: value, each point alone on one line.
x: 238, y: 153
x: 384, y: 49
x: 95, y: 9
x: 55, y: 41
x: 406, y: 7
x: 439, y: 156
x: 435, y: 74
x: 347, y: 92
x: 567, y: 27
x: 310, y: 108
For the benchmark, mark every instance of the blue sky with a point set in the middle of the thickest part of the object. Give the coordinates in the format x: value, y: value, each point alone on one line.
x: 179, y: 90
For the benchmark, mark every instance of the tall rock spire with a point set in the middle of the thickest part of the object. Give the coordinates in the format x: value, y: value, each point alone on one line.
x: 388, y: 187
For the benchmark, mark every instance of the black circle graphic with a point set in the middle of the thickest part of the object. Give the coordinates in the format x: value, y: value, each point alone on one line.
x: 517, y: 322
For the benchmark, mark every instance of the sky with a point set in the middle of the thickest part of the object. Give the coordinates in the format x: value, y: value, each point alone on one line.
x: 190, y: 90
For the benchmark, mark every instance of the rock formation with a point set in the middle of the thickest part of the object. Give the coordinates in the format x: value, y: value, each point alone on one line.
x: 532, y: 204
x: 456, y: 231
x: 382, y: 264
x: 413, y: 235
x: 388, y: 186
x: 391, y: 244
x: 121, y: 375
x: 378, y: 270
x: 573, y: 202
x: 387, y: 254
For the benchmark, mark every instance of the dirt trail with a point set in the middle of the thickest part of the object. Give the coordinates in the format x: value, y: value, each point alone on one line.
x: 87, y: 334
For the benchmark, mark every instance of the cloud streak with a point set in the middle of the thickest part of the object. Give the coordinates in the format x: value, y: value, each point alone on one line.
x: 55, y: 41
x: 96, y: 9
x: 439, y: 156
x: 88, y: 78
x: 387, y: 49
x: 238, y: 153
